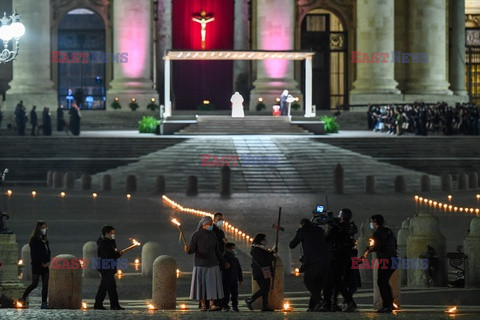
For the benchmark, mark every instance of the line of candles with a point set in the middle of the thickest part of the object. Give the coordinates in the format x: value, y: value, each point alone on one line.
x: 228, y: 226
x: 63, y: 194
x: 445, y: 206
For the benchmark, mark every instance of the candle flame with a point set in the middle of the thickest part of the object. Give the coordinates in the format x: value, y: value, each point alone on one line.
x: 129, y: 196
x: 287, y: 306
x: 150, y: 306
x: 183, y: 306
x: 62, y: 194
x: 34, y: 193
x: 19, y: 304
x: 94, y: 195
x: 178, y: 273
x: 175, y: 221
x: 371, y: 242
x: 395, y: 305
x: 9, y: 192
x: 452, y: 310
x: 84, y: 305
x: 137, y: 261
x: 20, y: 262
x: 135, y: 242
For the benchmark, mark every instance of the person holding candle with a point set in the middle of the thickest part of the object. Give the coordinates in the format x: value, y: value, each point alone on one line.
x: 385, y: 245
x: 40, y: 255
x: 206, y: 276
x: 107, y: 252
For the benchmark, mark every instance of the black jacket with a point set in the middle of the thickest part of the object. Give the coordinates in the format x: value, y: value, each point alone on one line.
x: 234, y: 273
x: 205, y: 246
x: 261, y: 258
x: 220, y: 234
x: 39, y: 253
x: 315, y: 248
x: 107, y: 249
x: 385, y: 243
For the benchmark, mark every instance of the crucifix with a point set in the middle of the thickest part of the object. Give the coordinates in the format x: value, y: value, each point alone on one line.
x: 203, y: 19
x: 279, y: 228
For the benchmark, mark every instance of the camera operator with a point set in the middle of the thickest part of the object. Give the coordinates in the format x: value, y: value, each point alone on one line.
x: 315, y: 264
x: 341, y: 241
x: 385, y: 245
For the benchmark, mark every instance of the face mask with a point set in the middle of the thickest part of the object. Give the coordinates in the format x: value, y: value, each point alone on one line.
x: 210, y: 228
x: 235, y: 251
x: 371, y: 226
x: 112, y: 237
x: 43, y: 231
x: 264, y: 242
x: 220, y: 223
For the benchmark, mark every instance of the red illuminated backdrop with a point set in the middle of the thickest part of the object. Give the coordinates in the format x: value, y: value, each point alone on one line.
x: 194, y: 81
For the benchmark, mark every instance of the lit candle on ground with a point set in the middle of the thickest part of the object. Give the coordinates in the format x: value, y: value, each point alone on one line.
x: 449, y: 198
x: 9, y: 193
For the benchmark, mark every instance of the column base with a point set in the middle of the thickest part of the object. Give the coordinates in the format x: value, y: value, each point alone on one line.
x: 374, y: 98
x: 40, y: 99
x: 428, y: 88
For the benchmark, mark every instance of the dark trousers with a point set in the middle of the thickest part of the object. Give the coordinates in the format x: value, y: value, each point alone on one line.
x: 341, y: 265
x: 107, y: 284
x: 384, y: 285
x: 34, y: 128
x: 35, y: 279
x: 317, y: 278
x: 230, y: 289
x: 264, y: 285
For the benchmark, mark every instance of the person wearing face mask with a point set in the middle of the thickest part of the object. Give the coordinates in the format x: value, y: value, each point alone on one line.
x: 262, y: 270
x: 385, y: 245
x: 206, y: 276
x: 231, y: 277
x: 40, y: 255
x: 107, y: 250
x: 218, y: 222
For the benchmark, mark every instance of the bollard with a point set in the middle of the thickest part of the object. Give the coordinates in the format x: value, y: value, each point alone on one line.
x: 192, y: 186
x: 396, y: 285
x: 164, y: 283
x: 50, y: 178
x: 160, y: 185
x: 131, y: 184
x: 370, y: 184
x: 275, y: 295
x: 425, y: 183
x: 473, y: 180
x: 89, y: 253
x: 400, y: 185
x: 462, y: 181
x: 150, y: 251
x: 27, y: 263
x: 57, y: 179
x: 402, y: 237
x: 65, y: 283
x: 225, y: 174
x: 338, y: 175
x: 424, y: 232
x: 86, y: 181
x: 446, y: 182
x: 285, y: 254
x: 471, y: 246
x: 106, y: 182
x: 362, y: 242
x: 69, y: 181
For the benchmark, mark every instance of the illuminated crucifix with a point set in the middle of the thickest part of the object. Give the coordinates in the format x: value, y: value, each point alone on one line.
x: 203, y: 19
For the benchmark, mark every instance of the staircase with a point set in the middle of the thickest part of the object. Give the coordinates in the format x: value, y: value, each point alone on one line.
x: 226, y: 125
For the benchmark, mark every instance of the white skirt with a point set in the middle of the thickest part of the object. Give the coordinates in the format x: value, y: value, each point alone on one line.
x: 206, y: 283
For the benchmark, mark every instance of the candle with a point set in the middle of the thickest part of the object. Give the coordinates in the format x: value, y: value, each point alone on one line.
x: 178, y: 224
x: 371, y: 242
x: 449, y: 198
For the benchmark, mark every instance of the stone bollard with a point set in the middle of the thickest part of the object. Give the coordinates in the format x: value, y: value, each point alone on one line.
x: 400, y: 185
x: 150, y: 251
x: 65, y: 284
x: 192, y: 186
x: 27, y: 263
x: 471, y: 246
x: 362, y: 242
x: 402, y: 237
x: 225, y: 174
x: 396, y: 285
x: 69, y: 181
x: 164, y: 283
x: 131, y: 183
x: 473, y: 180
x: 86, y: 181
x: 58, y: 179
x: 446, y: 182
x: 285, y: 254
x: 275, y: 295
x: 89, y: 253
x: 338, y: 176
x: 50, y: 178
x: 160, y: 185
x: 106, y: 182
x: 462, y: 181
x: 370, y: 184
x: 425, y: 183
x: 424, y: 232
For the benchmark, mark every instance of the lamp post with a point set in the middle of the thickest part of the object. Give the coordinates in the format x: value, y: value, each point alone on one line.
x: 11, y: 28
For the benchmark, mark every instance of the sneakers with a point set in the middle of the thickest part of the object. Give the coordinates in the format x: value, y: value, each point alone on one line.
x: 44, y: 305
x: 235, y: 309
x: 385, y: 310
x: 351, y: 307
x: 249, y: 303
x: 99, y: 307
x: 117, y: 308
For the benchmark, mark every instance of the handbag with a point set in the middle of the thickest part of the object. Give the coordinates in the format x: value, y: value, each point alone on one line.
x: 266, y: 271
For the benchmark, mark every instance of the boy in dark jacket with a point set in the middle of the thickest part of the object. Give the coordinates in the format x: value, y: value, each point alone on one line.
x: 231, y: 276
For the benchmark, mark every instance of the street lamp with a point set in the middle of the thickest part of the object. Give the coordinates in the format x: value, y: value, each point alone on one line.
x: 11, y: 28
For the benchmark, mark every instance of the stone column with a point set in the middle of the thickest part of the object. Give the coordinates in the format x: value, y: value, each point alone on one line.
x: 375, y: 35
x: 472, y: 250
x: 164, y: 38
x: 456, y: 67
x: 150, y: 251
x: 362, y: 243
x: 275, y: 295
x: 10, y: 286
x: 427, y: 34
x: 89, y: 253
x: 32, y: 81
x: 401, y: 40
x: 275, y: 25
x: 132, y: 33
x: 65, y: 284
x: 402, y: 237
x: 240, y: 42
x: 164, y: 283
x: 27, y: 263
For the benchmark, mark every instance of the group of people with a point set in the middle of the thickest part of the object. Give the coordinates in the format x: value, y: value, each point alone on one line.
x: 217, y: 273
x: 421, y: 119
x: 21, y: 120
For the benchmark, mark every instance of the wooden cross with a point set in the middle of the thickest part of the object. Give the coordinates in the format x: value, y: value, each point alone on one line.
x: 203, y: 19
x: 279, y: 228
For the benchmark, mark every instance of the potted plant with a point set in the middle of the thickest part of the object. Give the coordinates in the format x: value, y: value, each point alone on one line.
x: 133, y: 104
x: 147, y: 125
x: 115, y: 104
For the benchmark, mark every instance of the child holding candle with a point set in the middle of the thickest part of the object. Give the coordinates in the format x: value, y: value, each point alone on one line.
x: 231, y: 277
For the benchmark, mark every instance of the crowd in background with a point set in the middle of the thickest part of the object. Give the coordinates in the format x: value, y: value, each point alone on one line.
x: 423, y: 119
